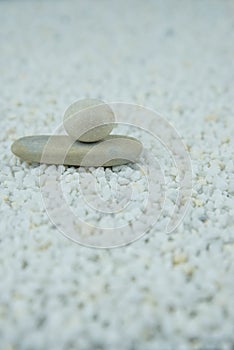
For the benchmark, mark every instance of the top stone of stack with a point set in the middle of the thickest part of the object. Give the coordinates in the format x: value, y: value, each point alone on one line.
x: 89, y: 120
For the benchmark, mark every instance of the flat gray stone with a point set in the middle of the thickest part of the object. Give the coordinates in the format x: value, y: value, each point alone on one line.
x: 88, y: 120
x: 61, y: 149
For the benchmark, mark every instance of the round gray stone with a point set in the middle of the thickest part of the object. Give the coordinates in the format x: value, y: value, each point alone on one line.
x: 88, y: 120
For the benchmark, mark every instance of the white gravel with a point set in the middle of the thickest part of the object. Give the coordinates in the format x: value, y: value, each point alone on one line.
x: 164, y: 291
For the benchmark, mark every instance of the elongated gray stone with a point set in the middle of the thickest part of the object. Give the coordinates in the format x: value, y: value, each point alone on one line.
x: 88, y: 120
x: 61, y: 149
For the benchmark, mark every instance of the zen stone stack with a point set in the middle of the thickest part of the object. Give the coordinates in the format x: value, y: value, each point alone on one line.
x: 88, y: 143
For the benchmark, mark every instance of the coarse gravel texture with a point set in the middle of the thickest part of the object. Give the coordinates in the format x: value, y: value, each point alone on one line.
x: 164, y: 291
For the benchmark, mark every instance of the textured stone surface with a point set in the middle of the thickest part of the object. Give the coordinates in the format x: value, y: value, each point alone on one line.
x: 113, y: 150
x: 172, y: 56
x: 88, y: 120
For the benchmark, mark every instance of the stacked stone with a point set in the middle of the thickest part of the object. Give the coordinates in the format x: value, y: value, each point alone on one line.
x: 88, y: 124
